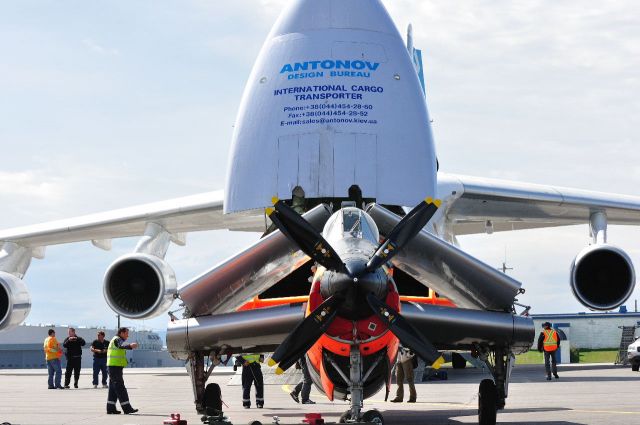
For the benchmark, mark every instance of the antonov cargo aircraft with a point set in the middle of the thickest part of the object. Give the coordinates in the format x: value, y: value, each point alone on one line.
x: 333, y: 161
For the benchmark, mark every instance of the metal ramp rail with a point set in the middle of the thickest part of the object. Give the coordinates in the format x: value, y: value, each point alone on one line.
x: 628, y: 336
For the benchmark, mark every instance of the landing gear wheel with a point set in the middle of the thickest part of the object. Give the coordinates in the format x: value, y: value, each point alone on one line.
x: 346, y: 416
x: 255, y: 423
x: 457, y: 361
x: 635, y: 367
x: 487, y: 400
x: 373, y: 416
x: 213, y: 399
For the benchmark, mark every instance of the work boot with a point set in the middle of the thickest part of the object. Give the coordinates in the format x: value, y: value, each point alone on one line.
x: 556, y: 376
x: 411, y: 400
x: 549, y: 378
x: 308, y: 402
x: 294, y: 396
x: 129, y: 411
x: 396, y: 400
x: 113, y: 412
x: 66, y: 386
x: 75, y: 385
x: 259, y: 406
x: 95, y: 386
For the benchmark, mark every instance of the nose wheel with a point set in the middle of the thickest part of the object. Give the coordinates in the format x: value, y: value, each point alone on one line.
x: 369, y: 417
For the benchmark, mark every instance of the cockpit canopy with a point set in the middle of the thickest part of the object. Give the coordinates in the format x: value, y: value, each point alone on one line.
x: 351, y: 222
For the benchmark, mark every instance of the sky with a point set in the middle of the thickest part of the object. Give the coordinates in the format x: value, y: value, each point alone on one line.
x: 113, y: 104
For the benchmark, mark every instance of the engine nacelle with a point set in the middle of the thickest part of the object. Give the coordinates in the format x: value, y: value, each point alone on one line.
x: 602, y: 277
x: 139, y: 286
x: 15, y: 302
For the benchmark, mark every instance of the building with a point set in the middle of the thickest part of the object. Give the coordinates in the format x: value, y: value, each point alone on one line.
x: 21, y: 347
x: 589, y: 330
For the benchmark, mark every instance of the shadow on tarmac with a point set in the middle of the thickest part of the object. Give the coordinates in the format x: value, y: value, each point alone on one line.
x: 434, y: 417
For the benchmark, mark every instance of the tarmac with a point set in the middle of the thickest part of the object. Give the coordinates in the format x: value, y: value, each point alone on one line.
x: 584, y: 394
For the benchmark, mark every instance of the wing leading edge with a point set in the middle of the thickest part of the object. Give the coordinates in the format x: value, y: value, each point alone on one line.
x: 473, y: 204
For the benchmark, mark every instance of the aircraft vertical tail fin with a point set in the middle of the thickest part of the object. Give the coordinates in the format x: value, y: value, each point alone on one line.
x: 416, y: 57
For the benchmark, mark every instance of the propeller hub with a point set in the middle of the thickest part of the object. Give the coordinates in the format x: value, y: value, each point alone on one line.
x: 354, y: 287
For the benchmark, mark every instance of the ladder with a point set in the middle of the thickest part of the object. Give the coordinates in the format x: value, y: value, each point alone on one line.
x: 628, y: 336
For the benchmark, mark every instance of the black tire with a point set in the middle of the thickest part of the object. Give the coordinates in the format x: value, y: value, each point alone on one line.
x: 255, y: 423
x: 487, y: 401
x: 212, y: 398
x: 373, y: 416
x: 344, y: 417
x: 457, y: 361
x: 635, y: 367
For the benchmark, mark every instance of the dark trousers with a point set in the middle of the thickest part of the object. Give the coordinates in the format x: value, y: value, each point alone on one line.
x: 304, y: 386
x: 252, y: 374
x: 100, y: 365
x: 550, y: 357
x: 404, y: 370
x: 117, y: 390
x: 73, y: 365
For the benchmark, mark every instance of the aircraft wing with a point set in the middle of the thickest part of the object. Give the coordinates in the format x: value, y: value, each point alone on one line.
x: 506, y: 205
x: 178, y: 215
x: 262, y: 330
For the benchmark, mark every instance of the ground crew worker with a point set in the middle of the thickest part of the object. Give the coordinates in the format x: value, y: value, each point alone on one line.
x: 73, y: 343
x: 52, y: 353
x: 303, y: 388
x: 549, y: 343
x: 116, y: 362
x: 252, y: 373
x: 404, y: 369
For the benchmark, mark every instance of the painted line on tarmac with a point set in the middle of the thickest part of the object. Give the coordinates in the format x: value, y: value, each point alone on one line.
x: 617, y: 412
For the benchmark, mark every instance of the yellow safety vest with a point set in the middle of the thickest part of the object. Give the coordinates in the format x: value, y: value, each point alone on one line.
x: 550, y: 342
x: 52, y: 349
x: 252, y: 358
x: 116, y: 356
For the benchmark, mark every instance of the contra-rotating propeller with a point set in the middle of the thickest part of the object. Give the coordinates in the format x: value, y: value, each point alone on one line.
x: 311, y: 242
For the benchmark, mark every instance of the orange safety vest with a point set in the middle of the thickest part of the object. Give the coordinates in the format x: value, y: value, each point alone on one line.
x: 550, y: 342
x: 52, y: 348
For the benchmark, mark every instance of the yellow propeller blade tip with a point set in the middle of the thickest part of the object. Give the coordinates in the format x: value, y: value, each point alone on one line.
x: 438, y: 202
x: 438, y: 363
x: 269, y: 211
x: 279, y: 371
x: 274, y: 200
x: 428, y: 200
x: 271, y: 362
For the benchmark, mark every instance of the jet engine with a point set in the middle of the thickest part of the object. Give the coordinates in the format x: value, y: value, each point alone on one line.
x: 139, y: 286
x: 15, y: 302
x: 602, y: 277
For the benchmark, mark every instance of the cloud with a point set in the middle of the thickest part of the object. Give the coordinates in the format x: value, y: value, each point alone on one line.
x: 95, y: 47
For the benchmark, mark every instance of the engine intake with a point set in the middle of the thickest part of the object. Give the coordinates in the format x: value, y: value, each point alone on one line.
x: 15, y: 302
x: 602, y: 277
x: 139, y: 286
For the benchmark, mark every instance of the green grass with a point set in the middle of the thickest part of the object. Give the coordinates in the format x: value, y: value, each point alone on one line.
x: 598, y: 356
x: 606, y: 355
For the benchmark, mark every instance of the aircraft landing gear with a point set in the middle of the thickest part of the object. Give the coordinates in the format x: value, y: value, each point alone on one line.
x: 492, y: 394
x: 369, y: 417
x: 487, y: 398
x: 373, y: 416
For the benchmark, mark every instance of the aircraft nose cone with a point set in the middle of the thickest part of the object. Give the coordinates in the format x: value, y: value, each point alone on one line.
x: 313, y: 15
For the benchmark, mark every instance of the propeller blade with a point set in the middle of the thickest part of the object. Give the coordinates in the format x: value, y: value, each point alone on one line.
x: 404, y: 231
x: 300, y: 340
x: 304, y: 235
x: 406, y: 333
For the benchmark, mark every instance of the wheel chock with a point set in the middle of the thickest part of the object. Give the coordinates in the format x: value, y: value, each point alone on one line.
x: 174, y: 420
x: 313, y: 419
